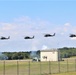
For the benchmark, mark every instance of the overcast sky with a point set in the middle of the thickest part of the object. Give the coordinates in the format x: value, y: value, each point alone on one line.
x: 29, y: 17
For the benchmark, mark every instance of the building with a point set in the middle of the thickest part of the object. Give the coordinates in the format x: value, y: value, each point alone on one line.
x: 50, y: 55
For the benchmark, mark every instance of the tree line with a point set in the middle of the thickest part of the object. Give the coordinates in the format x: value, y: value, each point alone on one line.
x: 65, y: 52
x: 21, y: 55
x: 17, y: 55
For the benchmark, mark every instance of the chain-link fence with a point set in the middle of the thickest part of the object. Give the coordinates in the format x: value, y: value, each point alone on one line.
x: 19, y: 67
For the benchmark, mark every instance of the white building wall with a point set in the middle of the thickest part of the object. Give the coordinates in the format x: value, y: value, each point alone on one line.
x: 51, y: 55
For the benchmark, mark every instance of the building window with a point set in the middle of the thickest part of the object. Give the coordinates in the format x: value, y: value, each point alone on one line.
x: 44, y: 57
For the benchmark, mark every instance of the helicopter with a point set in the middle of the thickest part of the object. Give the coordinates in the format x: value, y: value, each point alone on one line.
x: 4, y: 38
x: 49, y: 35
x: 72, y: 35
x: 27, y: 37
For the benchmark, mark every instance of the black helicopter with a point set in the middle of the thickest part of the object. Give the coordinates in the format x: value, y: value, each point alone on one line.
x: 4, y: 38
x: 49, y: 35
x: 27, y: 37
x: 72, y: 35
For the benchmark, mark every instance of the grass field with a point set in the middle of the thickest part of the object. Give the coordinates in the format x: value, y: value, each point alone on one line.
x: 18, y: 67
x: 69, y: 73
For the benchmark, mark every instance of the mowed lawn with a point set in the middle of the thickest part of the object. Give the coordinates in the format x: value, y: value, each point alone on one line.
x: 23, y: 67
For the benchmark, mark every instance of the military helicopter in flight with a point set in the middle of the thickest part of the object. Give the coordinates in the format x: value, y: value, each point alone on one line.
x: 27, y: 37
x: 49, y: 35
x: 5, y: 38
x: 72, y: 35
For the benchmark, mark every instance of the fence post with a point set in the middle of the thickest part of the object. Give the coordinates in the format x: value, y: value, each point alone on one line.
x: 59, y: 66
x: 40, y: 68
x: 67, y: 65
x: 4, y: 68
x: 49, y: 67
x: 17, y: 68
x: 29, y: 69
x: 75, y: 64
